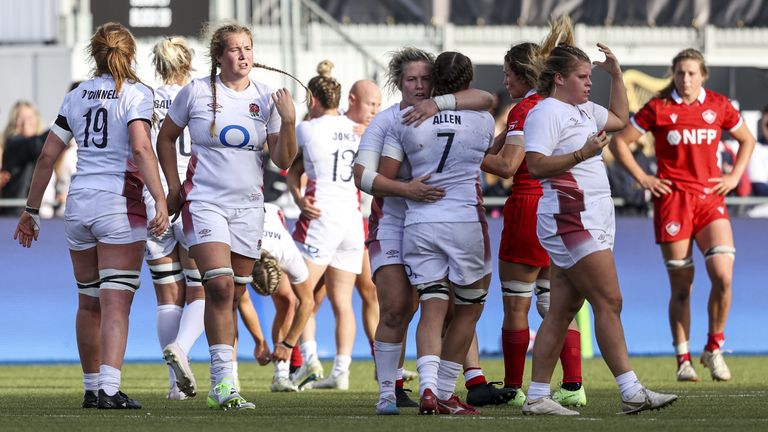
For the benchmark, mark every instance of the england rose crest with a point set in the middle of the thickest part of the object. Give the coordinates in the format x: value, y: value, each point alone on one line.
x: 253, y: 110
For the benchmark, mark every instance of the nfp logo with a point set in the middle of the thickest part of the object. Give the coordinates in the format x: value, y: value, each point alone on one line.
x: 692, y: 136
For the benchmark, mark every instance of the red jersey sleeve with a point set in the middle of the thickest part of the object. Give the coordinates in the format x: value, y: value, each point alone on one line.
x: 645, y: 119
x: 731, y: 117
x: 516, y: 119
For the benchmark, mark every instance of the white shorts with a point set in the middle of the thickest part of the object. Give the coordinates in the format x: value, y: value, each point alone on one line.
x: 569, y: 237
x: 99, y: 216
x: 459, y: 250
x: 288, y: 256
x: 158, y: 247
x: 241, y: 229
x: 383, y: 253
x: 338, y: 242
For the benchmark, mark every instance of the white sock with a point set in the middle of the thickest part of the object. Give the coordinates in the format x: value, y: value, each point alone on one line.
x: 628, y: 384
x: 538, y: 390
x: 308, y: 350
x: 221, y: 363
x: 109, y: 379
x: 682, y: 348
x: 235, y: 376
x: 427, y: 367
x: 447, y: 373
x: 191, y: 325
x: 282, y: 369
x: 399, y: 373
x: 91, y: 382
x: 168, y: 317
x: 340, y: 365
x: 386, y: 356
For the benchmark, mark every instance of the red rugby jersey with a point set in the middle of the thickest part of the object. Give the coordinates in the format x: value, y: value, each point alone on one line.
x: 523, y: 183
x: 687, y: 136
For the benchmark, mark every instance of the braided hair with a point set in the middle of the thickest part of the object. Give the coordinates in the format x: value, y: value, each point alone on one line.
x: 452, y: 72
x: 324, y: 87
x: 216, y: 48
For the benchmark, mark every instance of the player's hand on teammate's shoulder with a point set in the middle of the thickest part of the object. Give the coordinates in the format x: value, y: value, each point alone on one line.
x: 421, y: 111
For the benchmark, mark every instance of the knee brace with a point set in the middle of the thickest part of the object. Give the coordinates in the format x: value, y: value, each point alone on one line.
x: 679, y: 264
x: 193, y: 277
x: 214, y: 273
x: 91, y: 289
x: 469, y: 296
x: 116, y: 279
x: 720, y: 250
x: 437, y: 290
x: 514, y: 288
x: 243, y: 280
x: 166, y: 273
x: 542, y: 296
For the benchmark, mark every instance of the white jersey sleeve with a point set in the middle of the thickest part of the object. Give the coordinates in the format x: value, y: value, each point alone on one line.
x: 541, y: 131
x: 98, y: 117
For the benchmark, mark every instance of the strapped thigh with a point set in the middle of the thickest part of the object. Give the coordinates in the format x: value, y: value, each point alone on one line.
x: 720, y: 250
x: 433, y: 290
x: 513, y: 288
x: 118, y: 279
x: 166, y: 273
x: 674, y: 264
x: 217, y: 272
x: 91, y: 289
x: 469, y: 296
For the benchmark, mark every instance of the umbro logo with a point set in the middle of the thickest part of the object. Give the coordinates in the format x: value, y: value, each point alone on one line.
x: 218, y: 107
x: 392, y: 253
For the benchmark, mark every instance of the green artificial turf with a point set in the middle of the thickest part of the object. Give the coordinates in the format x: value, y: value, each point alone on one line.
x: 47, y: 398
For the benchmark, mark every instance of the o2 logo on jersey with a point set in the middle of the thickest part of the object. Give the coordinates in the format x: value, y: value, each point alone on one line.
x: 254, y: 110
x: 229, y: 139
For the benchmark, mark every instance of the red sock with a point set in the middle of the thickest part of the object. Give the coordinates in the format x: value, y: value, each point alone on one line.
x: 570, y: 357
x: 682, y: 358
x: 715, y: 341
x: 399, y: 383
x: 514, y: 345
x: 473, y: 377
x: 296, y: 359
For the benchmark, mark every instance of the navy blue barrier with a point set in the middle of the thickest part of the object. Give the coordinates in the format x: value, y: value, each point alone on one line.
x: 39, y: 300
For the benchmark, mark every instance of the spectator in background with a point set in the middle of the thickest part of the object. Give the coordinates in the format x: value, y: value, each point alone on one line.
x: 623, y: 185
x: 758, y: 165
x: 20, y: 145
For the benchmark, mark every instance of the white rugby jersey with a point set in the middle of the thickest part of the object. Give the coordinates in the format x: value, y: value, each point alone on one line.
x: 450, y: 148
x: 387, y: 213
x: 274, y: 228
x: 554, y: 128
x: 226, y: 169
x: 98, y: 118
x: 328, y: 145
x: 164, y: 96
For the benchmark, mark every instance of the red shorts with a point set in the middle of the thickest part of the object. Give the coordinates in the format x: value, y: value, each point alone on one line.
x: 519, y: 241
x: 681, y: 215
